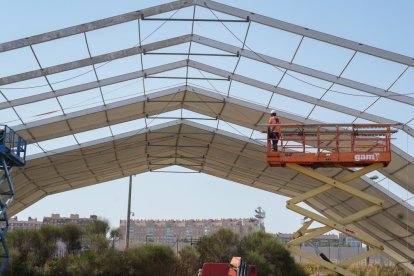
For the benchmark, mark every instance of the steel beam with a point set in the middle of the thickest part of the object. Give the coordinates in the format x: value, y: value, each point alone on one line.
x: 94, y: 84
x: 94, y: 60
x: 243, y: 14
x: 320, y: 261
x: 303, y: 31
x: 302, y: 238
x: 359, y: 257
x: 92, y: 111
x: 206, y: 93
x: 302, y: 69
x: 217, y: 45
x: 212, y: 70
x: 94, y: 25
x: 298, y: 96
x: 153, y: 96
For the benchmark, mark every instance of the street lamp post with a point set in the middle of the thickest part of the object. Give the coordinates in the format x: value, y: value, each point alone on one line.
x: 128, y: 214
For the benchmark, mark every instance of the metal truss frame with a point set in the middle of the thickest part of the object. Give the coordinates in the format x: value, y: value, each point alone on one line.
x: 168, y: 92
x: 212, y: 70
x: 213, y: 44
x: 243, y: 14
x: 304, y: 233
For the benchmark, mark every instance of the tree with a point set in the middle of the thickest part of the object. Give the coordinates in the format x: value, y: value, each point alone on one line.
x: 268, y: 253
x: 50, y: 234
x: 115, y: 235
x: 151, y: 260
x: 188, y: 262
x: 99, y: 243
x: 71, y: 236
x: 259, y: 248
x: 25, y: 255
x: 147, y: 260
x: 97, y: 227
x: 219, y: 247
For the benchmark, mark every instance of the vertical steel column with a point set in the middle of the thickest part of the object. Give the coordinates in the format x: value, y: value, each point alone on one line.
x: 6, y: 197
x: 128, y: 214
x: 12, y: 153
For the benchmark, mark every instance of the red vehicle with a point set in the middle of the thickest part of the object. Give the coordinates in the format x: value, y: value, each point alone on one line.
x: 237, y: 267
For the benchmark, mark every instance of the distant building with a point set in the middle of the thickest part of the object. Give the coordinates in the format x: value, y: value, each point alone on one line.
x: 56, y: 219
x: 326, y: 240
x: 320, y: 241
x: 31, y: 223
x: 182, y: 231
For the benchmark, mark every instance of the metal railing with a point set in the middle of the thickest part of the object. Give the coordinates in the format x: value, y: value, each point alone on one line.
x: 12, y: 145
x: 345, y: 144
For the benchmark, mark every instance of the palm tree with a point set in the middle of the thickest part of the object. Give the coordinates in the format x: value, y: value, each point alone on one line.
x: 114, y: 235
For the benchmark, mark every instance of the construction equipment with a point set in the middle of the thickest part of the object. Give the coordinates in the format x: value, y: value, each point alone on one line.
x: 12, y: 154
x: 237, y: 267
x: 303, y: 148
x: 346, y: 145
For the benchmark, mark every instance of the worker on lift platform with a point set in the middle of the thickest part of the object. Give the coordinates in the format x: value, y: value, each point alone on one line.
x: 273, y: 129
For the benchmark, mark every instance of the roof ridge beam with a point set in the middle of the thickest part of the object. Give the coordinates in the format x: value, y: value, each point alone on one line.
x: 109, y: 106
x: 303, y: 31
x: 145, y: 130
x: 94, y: 60
x: 302, y: 69
x: 94, y: 25
x: 167, y: 92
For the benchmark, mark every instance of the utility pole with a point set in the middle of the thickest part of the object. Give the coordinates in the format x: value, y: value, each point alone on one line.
x: 128, y: 214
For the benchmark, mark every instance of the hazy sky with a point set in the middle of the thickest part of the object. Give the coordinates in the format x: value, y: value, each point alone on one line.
x: 383, y: 24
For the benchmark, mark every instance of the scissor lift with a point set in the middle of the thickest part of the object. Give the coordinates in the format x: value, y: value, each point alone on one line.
x: 12, y: 154
x: 304, y: 148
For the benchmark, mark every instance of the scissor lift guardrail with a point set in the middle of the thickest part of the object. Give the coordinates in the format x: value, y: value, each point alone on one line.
x: 12, y: 154
x: 306, y: 147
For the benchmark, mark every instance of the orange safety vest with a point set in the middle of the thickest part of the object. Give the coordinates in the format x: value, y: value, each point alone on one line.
x: 273, y: 124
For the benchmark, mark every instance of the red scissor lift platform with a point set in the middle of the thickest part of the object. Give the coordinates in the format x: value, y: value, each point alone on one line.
x: 336, y: 145
x: 303, y: 148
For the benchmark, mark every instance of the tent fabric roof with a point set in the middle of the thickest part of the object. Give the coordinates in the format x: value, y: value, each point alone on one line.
x: 75, y: 100
x: 211, y: 151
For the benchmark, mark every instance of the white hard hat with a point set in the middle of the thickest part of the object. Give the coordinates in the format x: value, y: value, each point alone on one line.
x: 273, y: 111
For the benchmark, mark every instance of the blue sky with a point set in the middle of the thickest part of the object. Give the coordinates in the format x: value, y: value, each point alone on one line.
x: 185, y: 196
